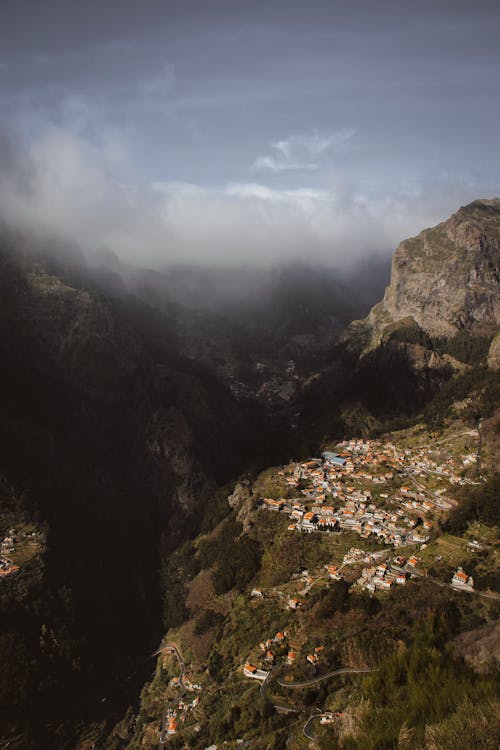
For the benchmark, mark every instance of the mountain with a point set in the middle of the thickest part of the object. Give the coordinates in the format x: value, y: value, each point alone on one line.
x: 113, y: 447
x: 134, y: 430
x: 348, y: 599
x: 443, y: 281
x: 261, y: 331
x: 434, y: 332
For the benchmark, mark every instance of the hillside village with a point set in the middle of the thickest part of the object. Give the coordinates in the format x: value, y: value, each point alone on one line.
x: 393, y: 496
x: 361, y: 489
x: 17, y: 546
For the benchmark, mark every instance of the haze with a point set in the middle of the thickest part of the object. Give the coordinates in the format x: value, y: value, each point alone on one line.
x: 246, y: 133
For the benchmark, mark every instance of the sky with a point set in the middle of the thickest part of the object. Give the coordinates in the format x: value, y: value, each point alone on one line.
x: 246, y: 132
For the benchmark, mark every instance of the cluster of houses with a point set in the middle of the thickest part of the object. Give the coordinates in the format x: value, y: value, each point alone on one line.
x: 178, y: 713
x: 384, y: 576
x: 7, y: 567
x: 332, y: 493
x: 276, y: 648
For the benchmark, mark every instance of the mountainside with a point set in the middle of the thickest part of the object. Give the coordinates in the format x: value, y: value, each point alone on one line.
x: 132, y: 505
x: 113, y: 445
x: 350, y: 601
x: 433, y: 335
x: 443, y: 281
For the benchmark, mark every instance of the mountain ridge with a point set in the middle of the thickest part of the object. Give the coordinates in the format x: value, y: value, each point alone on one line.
x: 444, y: 280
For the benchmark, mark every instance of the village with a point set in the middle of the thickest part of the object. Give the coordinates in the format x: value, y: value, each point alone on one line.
x: 17, y: 545
x: 393, y: 498
x: 371, y: 488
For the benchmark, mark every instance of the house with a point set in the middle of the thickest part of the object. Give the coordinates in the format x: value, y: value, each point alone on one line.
x: 312, y: 658
x: 332, y: 572
x: 294, y: 604
x: 333, y: 458
x: 328, y: 718
x: 272, y: 504
x: 172, y: 725
x: 461, y: 580
x: 257, y: 593
x: 291, y: 656
x: 9, y: 569
x: 249, y: 670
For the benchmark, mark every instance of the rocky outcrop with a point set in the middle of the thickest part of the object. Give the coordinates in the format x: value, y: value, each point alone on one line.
x: 494, y: 353
x: 480, y: 647
x: 442, y: 281
x: 242, y: 502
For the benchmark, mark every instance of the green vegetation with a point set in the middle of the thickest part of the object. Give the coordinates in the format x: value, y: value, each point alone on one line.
x: 208, y: 619
x: 465, y: 347
x: 409, y: 332
x: 477, y: 504
x: 177, y: 570
x: 234, y: 557
x: 419, y: 687
x: 478, y: 380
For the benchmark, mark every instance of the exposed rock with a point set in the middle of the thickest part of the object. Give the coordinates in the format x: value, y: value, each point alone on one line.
x: 494, y: 353
x: 479, y: 647
x: 242, y: 501
x: 442, y: 281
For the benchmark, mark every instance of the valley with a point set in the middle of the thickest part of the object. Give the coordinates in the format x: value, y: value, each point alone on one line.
x: 149, y: 497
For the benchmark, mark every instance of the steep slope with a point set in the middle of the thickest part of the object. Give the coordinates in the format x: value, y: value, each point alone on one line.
x: 116, y: 443
x: 444, y: 280
x: 431, y: 336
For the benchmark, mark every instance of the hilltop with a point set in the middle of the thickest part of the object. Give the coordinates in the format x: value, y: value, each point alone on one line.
x: 443, y: 281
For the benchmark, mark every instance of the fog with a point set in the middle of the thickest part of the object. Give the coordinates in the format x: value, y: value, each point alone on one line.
x: 58, y: 183
x: 245, y: 134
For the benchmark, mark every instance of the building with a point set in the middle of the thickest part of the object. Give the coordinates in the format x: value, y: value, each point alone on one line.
x: 249, y: 670
x: 461, y: 580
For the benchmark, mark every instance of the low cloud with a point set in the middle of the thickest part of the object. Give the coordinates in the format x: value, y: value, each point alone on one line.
x: 300, y: 152
x: 60, y: 183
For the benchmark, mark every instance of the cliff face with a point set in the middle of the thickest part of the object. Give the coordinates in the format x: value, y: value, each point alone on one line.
x: 117, y: 442
x: 444, y: 280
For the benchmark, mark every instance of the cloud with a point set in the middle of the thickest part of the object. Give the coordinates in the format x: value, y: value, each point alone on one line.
x: 60, y: 182
x: 300, y: 152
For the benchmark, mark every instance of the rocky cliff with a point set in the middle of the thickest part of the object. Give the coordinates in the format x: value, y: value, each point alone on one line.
x: 116, y: 443
x: 443, y: 281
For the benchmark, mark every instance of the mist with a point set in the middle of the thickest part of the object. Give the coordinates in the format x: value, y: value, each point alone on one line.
x: 58, y: 183
x: 248, y: 136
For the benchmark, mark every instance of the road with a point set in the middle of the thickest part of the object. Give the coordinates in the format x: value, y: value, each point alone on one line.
x: 307, y: 726
x: 320, y: 678
x: 485, y: 594
x: 470, y: 433
x: 280, y: 707
x: 173, y: 648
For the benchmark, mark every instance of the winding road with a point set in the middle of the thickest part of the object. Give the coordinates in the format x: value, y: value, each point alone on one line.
x: 280, y: 707
x: 173, y: 648
x: 320, y: 678
x: 307, y: 726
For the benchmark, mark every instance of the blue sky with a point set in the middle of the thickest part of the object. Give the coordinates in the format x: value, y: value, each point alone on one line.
x: 246, y: 132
